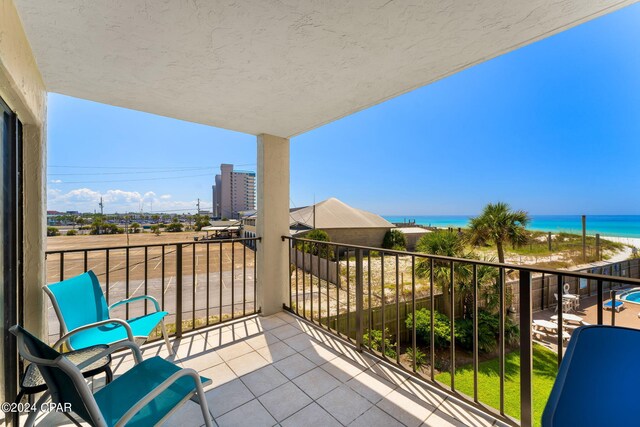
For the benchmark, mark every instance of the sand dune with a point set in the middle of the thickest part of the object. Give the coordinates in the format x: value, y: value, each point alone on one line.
x: 631, y: 241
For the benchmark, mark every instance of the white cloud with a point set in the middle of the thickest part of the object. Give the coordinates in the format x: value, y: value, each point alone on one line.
x: 86, y: 200
x: 56, y: 181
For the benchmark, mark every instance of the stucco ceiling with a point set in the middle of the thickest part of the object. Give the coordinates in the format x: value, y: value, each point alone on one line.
x: 278, y: 67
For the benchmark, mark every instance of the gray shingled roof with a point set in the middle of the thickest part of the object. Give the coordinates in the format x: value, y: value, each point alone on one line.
x: 332, y: 213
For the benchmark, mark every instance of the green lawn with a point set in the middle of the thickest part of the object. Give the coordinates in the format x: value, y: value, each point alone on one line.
x: 544, y: 374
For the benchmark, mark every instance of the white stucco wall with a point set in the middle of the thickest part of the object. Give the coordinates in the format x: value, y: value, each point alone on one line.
x: 22, y: 88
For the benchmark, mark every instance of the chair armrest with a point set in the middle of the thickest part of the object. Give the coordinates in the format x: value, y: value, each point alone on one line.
x: 134, y: 299
x: 157, y: 391
x: 112, y: 348
x: 66, y: 336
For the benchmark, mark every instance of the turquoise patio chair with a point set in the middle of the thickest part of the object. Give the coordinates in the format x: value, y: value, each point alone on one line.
x: 84, y: 315
x: 145, y: 395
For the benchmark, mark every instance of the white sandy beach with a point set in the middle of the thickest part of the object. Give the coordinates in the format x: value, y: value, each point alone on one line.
x: 632, y: 241
x: 627, y: 251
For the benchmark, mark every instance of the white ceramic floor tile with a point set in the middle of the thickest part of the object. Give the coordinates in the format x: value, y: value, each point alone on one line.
x: 250, y: 414
x: 219, y: 374
x: 344, y: 404
x: 285, y: 331
x: 317, y: 382
x: 247, y: 363
x: 227, y: 397
x: 464, y: 413
x: 375, y: 417
x: 342, y: 369
x: 284, y: 401
x: 370, y: 386
x: 406, y: 408
x: 231, y: 351
x: 189, y: 414
x: 275, y: 352
x: 294, y: 366
x: 311, y: 416
x: 264, y: 380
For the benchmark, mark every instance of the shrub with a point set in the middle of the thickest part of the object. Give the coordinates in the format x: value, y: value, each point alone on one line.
x: 421, y: 358
x: 317, y: 248
x: 174, y: 227
x: 135, y: 227
x: 488, y: 331
x: 374, y: 337
x: 395, y: 239
x: 201, y: 221
x: 52, y: 231
x: 72, y: 232
x: 155, y: 228
x: 100, y: 227
x: 442, y: 329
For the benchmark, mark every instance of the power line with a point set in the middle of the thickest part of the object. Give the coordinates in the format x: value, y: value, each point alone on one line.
x: 131, y: 180
x: 125, y: 173
x: 128, y: 167
x: 140, y: 167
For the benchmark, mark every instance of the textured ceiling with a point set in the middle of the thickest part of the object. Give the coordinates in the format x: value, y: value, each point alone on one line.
x: 277, y: 67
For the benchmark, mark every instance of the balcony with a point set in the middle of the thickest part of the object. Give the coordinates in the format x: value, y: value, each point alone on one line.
x: 341, y: 296
x: 283, y: 370
x: 270, y: 74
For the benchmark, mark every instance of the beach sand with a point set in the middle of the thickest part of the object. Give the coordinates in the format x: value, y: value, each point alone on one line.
x: 632, y: 241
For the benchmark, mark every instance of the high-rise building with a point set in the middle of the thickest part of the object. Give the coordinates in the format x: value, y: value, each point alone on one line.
x: 233, y: 192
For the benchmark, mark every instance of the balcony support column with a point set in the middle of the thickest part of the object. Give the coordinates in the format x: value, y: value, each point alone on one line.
x: 272, y: 223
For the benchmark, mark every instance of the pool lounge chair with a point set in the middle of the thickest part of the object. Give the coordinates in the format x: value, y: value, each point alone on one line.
x: 618, y: 307
x: 84, y: 315
x: 145, y: 395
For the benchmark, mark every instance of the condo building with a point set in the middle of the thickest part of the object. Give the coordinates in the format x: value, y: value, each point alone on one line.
x: 233, y: 192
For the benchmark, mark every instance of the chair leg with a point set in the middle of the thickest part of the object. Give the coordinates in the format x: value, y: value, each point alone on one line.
x: 72, y: 419
x: 166, y: 338
x: 204, y: 406
x: 31, y: 419
x: 108, y: 375
x: 16, y: 415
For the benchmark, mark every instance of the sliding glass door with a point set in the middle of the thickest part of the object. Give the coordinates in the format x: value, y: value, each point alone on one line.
x: 11, y: 244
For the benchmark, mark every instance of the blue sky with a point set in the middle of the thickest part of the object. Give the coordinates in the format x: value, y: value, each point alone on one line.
x: 552, y: 128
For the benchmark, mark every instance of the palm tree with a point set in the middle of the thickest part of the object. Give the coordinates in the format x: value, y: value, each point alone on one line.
x: 443, y: 243
x: 498, y: 225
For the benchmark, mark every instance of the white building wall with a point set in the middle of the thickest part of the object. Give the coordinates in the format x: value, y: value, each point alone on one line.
x: 22, y: 88
x: 235, y: 191
x: 226, y: 209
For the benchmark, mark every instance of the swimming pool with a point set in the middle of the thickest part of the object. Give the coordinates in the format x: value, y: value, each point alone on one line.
x: 632, y: 295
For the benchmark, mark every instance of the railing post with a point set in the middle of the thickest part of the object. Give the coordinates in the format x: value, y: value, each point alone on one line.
x: 179, y: 290
x: 359, y: 300
x: 613, y: 308
x: 526, y: 349
x: 599, y: 286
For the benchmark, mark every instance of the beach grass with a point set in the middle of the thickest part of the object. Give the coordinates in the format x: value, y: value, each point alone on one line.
x: 545, y: 369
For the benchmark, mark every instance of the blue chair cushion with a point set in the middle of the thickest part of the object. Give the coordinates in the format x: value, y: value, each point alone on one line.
x: 109, y: 334
x: 608, y: 304
x: 597, y: 383
x: 115, y: 399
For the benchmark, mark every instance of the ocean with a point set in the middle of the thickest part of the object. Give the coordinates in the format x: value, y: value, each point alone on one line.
x: 606, y: 225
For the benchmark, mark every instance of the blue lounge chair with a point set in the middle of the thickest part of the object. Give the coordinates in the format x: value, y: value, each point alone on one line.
x: 597, y: 381
x: 84, y: 316
x: 145, y: 395
x: 607, y: 305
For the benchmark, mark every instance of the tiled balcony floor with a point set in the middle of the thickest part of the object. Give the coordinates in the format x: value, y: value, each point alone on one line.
x: 279, y: 370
